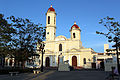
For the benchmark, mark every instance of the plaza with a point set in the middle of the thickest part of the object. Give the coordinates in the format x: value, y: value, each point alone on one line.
x: 59, y: 40
x: 56, y: 75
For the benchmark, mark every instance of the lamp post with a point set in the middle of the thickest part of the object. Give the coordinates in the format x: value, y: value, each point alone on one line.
x: 41, y: 48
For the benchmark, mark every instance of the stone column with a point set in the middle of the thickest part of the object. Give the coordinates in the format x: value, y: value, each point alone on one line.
x: 70, y: 60
x: 44, y: 58
x: 79, y: 60
x: 8, y: 62
x: 55, y: 60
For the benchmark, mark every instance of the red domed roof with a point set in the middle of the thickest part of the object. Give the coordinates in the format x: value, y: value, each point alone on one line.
x: 75, y: 25
x: 51, y: 9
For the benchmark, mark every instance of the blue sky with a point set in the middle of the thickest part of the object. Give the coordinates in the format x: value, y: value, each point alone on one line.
x: 86, y: 13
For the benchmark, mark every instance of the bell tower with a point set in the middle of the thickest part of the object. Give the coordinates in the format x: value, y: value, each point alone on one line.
x: 75, y: 32
x: 50, y: 24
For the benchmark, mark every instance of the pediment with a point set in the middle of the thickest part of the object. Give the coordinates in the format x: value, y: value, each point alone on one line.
x: 74, y: 50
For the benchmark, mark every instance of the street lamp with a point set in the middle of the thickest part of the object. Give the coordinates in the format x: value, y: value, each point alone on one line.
x: 41, y: 48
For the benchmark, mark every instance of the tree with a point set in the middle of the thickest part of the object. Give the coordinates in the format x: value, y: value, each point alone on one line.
x: 26, y: 38
x: 19, y: 37
x: 6, y: 32
x: 113, y: 33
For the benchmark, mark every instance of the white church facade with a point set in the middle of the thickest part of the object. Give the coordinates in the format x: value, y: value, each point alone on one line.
x: 71, y: 48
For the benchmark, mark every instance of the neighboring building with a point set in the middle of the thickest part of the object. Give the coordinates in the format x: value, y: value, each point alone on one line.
x: 101, y: 57
x: 71, y: 48
x: 33, y: 60
x: 9, y: 61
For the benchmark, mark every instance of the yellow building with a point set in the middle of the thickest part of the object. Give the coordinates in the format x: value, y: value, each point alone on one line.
x: 71, y: 48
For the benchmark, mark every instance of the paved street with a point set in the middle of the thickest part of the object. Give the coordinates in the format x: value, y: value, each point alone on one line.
x: 55, y: 75
x: 78, y: 75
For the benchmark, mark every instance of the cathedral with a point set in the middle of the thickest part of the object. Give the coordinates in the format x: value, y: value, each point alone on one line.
x: 71, y: 48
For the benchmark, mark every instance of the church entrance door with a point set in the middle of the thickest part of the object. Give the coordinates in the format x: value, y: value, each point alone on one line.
x: 74, y: 61
x: 47, y: 62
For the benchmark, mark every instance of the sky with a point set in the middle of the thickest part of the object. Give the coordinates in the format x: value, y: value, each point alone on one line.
x: 86, y: 13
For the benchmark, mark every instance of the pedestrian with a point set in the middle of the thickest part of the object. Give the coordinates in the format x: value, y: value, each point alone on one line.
x: 116, y: 72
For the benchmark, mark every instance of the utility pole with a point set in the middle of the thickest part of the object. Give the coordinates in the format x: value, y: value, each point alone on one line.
x: 41, y: 48
x: 42, y: 62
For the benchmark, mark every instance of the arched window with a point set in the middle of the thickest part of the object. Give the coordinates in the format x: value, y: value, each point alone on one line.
x: 48, y: 19
x: 60, y: 47
x: 84, y: 60
x: 73, y: 35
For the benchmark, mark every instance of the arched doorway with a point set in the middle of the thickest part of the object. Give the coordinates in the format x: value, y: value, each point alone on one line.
x: 74, y: 61
x: 6, y: 62
x: 102, y: 65
x: 10, y: 62
x: 47, y: 62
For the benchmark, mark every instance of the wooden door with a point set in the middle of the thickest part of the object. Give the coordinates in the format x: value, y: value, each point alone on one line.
x: 47, y: 62
x: 74, y: 61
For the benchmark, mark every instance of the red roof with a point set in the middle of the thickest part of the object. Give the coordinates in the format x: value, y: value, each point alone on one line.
x: 76, y: 26
x: 51, y: 9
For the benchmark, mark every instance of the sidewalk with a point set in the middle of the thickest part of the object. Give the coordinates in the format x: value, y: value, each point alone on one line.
x: 44, y: 76
x: 27, y: 76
